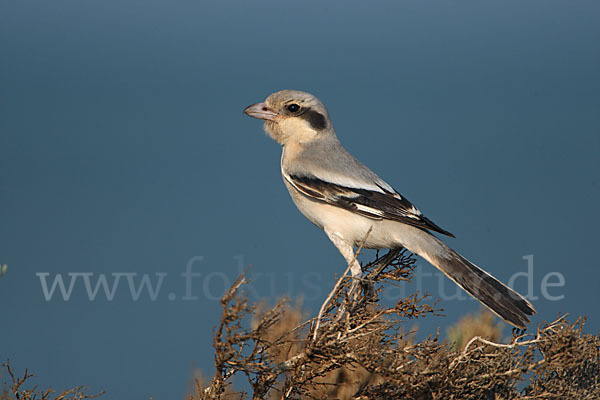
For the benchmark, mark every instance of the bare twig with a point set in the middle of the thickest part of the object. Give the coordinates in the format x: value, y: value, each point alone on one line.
x: 336, y: 287
x: 361, y: 352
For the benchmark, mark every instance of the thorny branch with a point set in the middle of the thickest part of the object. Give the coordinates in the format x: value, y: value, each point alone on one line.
x: 336, y: 288
x: 360, y: 351
x: 16, y: 389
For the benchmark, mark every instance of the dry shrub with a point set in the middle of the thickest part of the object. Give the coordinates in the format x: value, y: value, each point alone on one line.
x: 18, y: 388
x: 356, y: 350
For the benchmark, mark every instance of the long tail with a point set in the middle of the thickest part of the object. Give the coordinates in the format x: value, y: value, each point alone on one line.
x: 499, y: 298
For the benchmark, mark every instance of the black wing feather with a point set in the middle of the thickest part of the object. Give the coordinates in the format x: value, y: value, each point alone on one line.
x: 369, y: 203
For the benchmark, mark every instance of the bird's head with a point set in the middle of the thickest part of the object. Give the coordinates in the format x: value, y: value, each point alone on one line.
x: 292, y: 116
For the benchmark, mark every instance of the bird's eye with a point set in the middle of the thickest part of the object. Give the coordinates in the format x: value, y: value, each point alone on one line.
x: 293, y: 108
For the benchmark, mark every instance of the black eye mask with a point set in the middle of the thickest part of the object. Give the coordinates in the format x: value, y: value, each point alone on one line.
x: 315, y: 119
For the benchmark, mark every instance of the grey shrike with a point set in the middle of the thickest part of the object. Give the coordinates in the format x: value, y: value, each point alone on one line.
x: 340, y: 195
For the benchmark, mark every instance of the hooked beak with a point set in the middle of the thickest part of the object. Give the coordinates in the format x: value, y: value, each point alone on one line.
x: 260, y: 111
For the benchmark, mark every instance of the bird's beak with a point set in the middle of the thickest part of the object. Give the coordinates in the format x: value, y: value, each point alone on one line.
x: 260, y: 111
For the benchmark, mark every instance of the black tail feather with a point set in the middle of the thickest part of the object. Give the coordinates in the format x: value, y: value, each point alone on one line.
x: 499, y: 298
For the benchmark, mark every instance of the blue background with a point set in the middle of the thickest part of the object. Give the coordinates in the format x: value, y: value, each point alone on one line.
x: 123, y: 148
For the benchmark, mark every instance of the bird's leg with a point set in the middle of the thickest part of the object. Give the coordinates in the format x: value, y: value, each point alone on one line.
x: 347, y: 251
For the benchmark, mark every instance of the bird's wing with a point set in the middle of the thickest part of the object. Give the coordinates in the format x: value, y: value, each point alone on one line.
x: 379, y: 203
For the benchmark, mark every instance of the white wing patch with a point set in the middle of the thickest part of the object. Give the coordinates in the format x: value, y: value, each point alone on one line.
x: 369, y: 210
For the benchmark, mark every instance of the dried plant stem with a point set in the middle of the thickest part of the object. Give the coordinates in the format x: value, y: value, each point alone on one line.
x: 356, y: 348
x: 337, y: 286
x: 326, y: 302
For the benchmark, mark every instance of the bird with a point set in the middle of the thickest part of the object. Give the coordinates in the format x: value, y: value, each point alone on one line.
x: 355, y: 207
